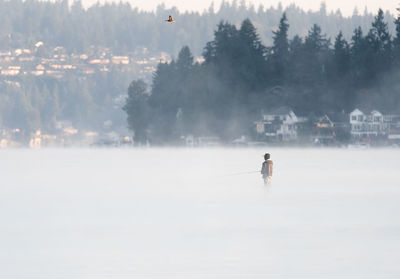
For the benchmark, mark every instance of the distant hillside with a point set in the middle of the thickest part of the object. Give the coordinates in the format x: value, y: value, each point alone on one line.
x: 123, y: 27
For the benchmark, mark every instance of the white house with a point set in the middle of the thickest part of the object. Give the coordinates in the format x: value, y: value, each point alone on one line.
x: 278, y: 125
x: 392, y: 122
x: 366, y: 125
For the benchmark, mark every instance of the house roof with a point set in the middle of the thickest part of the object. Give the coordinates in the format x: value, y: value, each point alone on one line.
x: 375, y: 112
x: 356, y: 111
x: 366, y: 111
x: 325, y: 119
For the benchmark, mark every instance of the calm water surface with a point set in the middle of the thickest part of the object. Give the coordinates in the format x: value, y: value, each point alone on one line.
x: 162, y: 213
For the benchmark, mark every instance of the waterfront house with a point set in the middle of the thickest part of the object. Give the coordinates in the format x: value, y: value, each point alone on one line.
x: 366, y: 125
x: 278, y: 125
x: 324, y: 131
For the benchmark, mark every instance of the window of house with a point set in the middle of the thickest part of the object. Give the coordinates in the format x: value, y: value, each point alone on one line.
x: 354, y: 117
x: 360, y: 118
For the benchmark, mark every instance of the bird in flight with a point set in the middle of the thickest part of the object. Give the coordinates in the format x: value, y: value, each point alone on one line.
x: 170, y: 19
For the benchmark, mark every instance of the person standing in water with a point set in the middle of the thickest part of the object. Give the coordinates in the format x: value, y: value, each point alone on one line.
x: 266, y: 169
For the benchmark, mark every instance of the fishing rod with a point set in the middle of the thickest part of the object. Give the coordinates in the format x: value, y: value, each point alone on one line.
x: 241, y: 173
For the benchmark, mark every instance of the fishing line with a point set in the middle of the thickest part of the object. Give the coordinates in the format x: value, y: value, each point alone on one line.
x: 242, y: 173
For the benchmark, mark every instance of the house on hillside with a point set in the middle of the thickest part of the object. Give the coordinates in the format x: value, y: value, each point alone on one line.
x: 35, y: 140
x: 277, y: 125
x: 120, y: 60
x: 11, y: 71
x: 11, y: 137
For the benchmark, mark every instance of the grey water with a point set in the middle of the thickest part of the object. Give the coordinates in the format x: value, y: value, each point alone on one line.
x: 199, y: 213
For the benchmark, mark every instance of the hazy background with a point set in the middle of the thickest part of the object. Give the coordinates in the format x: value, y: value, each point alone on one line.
x: 66, y: 71
x: 346, y: 7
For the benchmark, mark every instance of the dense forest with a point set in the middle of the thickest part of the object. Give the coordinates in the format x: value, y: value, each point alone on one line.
x: 31, y: 103
x: 241, y: 76
x: 123, y: 27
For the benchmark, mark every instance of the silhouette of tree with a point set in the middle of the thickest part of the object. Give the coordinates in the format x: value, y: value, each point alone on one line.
x: 279, y: 53
x: 137, y: 110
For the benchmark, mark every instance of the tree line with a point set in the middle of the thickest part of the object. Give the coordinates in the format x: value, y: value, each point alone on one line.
x: 123, y: 27
x: 241, y: 77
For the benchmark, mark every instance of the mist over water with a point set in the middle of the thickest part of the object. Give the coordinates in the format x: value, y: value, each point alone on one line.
x: 193, y: 213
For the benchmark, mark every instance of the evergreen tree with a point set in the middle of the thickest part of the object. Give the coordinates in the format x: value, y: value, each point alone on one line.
x: 316, y: 54
x: 184, y: 63
x: 341, y: 57
x: 222, y: 48
x: 237, y: 56
x: 248, y: 37
x: 165, y: 101
x: 340, y: 76
x: 315, y: 41
x: 184, y: 95
x: 359, y: 54
x: 380, y: 45
x: 396, y: 40
x: 296, y: 58
x: 137, y: 109
x: 250, y: 59
x: 279, y: 54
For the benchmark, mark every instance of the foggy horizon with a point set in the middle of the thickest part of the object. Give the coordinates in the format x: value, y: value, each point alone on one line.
x: 346, y: 7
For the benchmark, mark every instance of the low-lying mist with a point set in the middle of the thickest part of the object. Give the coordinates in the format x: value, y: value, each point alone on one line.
x: 199, y: 213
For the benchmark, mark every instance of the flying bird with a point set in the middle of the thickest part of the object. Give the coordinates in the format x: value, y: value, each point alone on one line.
x: 170, y: 19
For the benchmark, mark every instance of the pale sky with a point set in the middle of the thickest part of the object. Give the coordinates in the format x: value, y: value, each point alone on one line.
x: 346, y: 6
